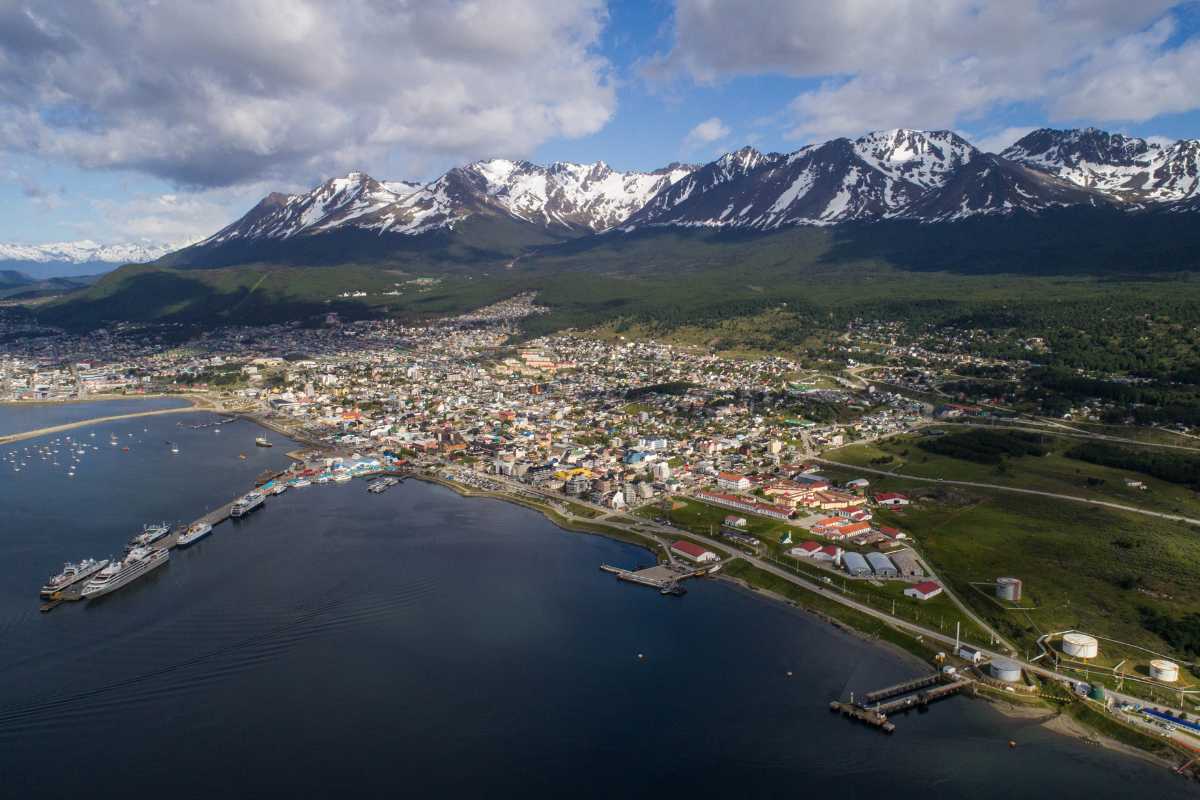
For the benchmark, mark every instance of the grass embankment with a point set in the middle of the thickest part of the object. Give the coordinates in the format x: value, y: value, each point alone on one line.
x: 742, y: 570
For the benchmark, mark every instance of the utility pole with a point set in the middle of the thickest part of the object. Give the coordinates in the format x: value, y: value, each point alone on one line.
x: 957, y: 628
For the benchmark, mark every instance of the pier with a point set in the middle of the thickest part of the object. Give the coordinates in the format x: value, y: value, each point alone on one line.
x: 876, y: 706
x: 170, y: 541
x: 664, y: 577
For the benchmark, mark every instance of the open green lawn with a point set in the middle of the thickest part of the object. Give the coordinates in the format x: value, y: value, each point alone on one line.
x: 705, y: 519
x: 1050, y: 473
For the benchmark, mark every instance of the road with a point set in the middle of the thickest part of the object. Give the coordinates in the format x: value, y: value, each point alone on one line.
x: 1070, y: 497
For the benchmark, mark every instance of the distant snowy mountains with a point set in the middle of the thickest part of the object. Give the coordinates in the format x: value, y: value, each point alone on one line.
x: 499, y: 208
x: 74, y: 258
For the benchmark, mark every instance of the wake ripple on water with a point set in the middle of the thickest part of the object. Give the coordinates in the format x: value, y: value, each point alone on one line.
x: 56, y: 713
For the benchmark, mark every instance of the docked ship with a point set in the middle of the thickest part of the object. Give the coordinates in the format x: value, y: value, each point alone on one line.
x: 149, y: 535
x: 72, y: 574
x: 137, y: 563
x: 246, y: 503
x: 263, y: 441
x: 194, y: 533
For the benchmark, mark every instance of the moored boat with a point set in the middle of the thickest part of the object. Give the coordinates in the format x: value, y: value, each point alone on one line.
x: 149, y: 535
x: 72, y: 574
x: 136, y: 563
x: 194, y: 533
x: 246, y: 503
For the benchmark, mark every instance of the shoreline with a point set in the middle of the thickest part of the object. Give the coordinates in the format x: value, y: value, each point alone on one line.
x: 1056, y: 721
x: 12, y: 438
x: 98, y: 398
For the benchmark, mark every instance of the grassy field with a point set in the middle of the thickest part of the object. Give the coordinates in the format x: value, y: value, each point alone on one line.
x: 1085, y: 568
x: 1054, y: 472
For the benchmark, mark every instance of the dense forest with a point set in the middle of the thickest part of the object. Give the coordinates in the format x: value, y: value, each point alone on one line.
x: 987, y: 447
x: 1183, y: 634
x: 1173, y: 467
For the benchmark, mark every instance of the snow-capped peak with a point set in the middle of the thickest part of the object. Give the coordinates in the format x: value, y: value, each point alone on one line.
x: 83, y: 252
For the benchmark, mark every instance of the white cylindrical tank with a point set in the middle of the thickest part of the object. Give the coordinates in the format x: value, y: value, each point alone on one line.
x: 1080, y: 645
x: 1008, y: 589
x: 1163, y: 670
x: 1004, y: 670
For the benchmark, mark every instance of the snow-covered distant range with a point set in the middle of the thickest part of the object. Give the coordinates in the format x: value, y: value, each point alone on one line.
x: 70, y: 259
x: 922, y: 176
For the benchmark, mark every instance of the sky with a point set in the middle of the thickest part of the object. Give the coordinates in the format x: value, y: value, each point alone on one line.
x: 160, y: 122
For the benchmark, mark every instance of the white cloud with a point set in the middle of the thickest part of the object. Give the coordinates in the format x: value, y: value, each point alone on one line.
x: 706, y: 133
x: 231, y: 91
x: 996, y: 141
x: 169, y: 218
x: 941, y: 64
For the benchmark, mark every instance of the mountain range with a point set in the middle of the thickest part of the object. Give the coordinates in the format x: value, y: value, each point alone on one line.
x: 500, y: 208
x: 83, y: 257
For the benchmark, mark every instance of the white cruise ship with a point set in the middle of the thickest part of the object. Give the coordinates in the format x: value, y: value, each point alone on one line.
x: 194, y: 534
x: 73, y: 574
x: 246, y: 504
x: 137, y: 563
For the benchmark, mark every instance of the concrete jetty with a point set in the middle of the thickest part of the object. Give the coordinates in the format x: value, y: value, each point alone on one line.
x: 83, y: 423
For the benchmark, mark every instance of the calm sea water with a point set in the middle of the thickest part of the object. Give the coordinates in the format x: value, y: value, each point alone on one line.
x: 34, y: 416
x: 338, y: 643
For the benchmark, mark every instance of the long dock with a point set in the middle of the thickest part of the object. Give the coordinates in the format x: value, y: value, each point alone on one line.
x: 871, y: 698
x: 875, y: 707
x: 75, y: 593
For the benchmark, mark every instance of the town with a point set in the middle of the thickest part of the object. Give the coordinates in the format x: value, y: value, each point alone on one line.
x: 739, y: 464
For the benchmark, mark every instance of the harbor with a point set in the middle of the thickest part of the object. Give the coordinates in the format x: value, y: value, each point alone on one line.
x: 161, y: 538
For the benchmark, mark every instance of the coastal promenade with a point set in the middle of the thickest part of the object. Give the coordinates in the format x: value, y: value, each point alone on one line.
x: 83, y: 423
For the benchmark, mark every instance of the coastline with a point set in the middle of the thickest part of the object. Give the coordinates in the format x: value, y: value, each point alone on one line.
x: 1056, y: 721
x: 97, y: 398
x: 196, y: 405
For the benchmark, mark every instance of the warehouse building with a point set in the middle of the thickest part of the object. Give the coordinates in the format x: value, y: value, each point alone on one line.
x: 882, y: 566
x: 693, y: 552
x: 856, y: 566
x: 907, y: 564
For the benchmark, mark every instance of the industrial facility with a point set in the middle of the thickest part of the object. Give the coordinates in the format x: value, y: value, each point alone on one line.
x: 1163, y: 670
x: 1080, y: 645
x: 1004, y: 670
x: 1009, y: 589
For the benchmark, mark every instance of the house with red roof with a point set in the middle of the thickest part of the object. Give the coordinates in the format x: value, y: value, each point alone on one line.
x: 891, y: 499
x: 693, y: 552
x: 924, y: 590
